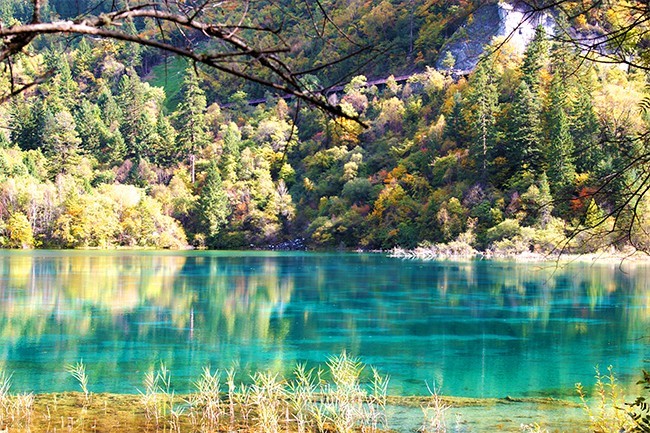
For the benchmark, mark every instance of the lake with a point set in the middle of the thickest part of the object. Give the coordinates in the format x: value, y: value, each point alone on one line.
x: 475, y: 328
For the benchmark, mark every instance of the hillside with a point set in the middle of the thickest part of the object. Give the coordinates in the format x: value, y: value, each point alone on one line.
x: 529, y: 152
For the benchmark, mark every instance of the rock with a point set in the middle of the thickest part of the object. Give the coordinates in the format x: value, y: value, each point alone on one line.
x: 514, y: 21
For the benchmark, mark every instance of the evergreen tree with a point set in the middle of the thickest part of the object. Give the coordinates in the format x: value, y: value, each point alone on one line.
x: 163, y: 141
x: 62, y: 90
x: 229, y: 162
x: 90, y: 126
x: 131, y: 100
x: 214, y: 208
x: 190, y: 119
x: 584, y: 131
x: 27, y: 123
x: 523, y: 141
x: 560, y: 156
x: 535, y: 58
x: 61, y: 142
x: 483, y: 101
x: 456, y: 128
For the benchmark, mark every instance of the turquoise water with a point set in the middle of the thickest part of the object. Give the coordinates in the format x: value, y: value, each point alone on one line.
x: 478, y: 329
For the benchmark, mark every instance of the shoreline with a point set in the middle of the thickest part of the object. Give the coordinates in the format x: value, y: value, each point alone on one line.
x: 434, y: 254
x: 111, y: 412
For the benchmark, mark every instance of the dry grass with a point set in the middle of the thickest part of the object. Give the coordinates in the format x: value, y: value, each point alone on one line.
x: 340, y: 398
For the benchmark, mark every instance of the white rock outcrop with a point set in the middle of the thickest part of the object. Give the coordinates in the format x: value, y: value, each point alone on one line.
x: 514, y: 21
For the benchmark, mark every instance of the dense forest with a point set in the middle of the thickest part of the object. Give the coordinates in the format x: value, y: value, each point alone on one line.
x: 125, y: 147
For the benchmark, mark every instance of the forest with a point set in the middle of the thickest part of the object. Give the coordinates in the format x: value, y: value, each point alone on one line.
x: 125, y: 147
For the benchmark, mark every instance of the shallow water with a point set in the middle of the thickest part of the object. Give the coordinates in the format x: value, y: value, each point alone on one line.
x: 477, y: 329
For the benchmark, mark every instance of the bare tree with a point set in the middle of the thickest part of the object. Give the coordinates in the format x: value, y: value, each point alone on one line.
x: 236, y: 44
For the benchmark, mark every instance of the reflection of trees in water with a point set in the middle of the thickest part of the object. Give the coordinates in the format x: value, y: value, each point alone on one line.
x: 241, y: 295
x: 41, y: 292
x: 289, y: 306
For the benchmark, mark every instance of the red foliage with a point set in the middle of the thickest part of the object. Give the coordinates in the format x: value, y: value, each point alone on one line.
x: 580, y: 203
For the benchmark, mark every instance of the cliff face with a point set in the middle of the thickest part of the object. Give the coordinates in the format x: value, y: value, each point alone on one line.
x: 514, y: 21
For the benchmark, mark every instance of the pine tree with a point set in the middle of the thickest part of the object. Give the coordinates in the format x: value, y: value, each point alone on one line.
x: 62, y: 90
x: 584, y: 131
x: 163, y: 141
x: 131, y: 100
x: 27, y: 123
x: 190, y: 119
x: 230, y: 154
x: 61, y: 141
x: 523, y: 142
x: 214, y: 208
x: 483, y: 101
x: 535, y: 58
x: 560, y: 156
x: 455, y: 123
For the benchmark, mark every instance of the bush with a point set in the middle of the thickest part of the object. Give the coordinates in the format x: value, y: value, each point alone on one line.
x: 19, y: 231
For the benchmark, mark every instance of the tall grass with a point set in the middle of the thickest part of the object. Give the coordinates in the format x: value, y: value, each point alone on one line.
x: 158, y: 398
x: 208, y: 400
x: 268, y: 394
x: 78, y: 371
x: 5, y: 401
x: 435, y: 412
x: 15, y: 410
x: 344, y: 396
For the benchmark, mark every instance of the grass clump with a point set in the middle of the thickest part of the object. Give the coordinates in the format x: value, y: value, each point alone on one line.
x: 337, y: 399
x: 15, y: 410
x: 157, y: 400
x: 607, y: 415
x: 207, y: 400
x: 435, y: 412
x: 78, y: 371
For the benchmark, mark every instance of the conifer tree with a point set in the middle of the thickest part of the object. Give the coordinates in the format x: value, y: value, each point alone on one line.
x: 27, y: 122
x: 584, y: 130
x: 535, y: 57
x: 455, y: 123
x: 230, y: 154
x: 523, y: 142
x: 190, y: 119
x: 560, y: 156
x: 214, y: 207
x: 61, y: 141
x: 136, y: 124
x: 483, y: 101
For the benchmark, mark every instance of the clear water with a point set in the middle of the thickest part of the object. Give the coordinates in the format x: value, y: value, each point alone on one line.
x: 478, y: 329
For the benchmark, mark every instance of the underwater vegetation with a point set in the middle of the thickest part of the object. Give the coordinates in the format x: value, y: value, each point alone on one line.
x: 343, y: 396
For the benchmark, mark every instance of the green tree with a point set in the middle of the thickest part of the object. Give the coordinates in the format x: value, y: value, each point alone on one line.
x: 27, y: 122
x: 134, y: 125
x: 524, y: 138
x: 190, y: 119
x: 456, y: 128
x: 560, y: 156
x: 483, y: 101
x: 96, y: 137
x: 214, y: 207
x: 229, y: 162
x: 584, y: 130
x: 535, y: 58
x: 61, y: 142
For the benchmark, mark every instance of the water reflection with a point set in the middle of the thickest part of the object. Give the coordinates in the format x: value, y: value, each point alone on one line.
x: 477, y: 328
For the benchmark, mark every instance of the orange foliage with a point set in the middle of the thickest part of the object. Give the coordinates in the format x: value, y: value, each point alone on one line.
x: 580, y: 203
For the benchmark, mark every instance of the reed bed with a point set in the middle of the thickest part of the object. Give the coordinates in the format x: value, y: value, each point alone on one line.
x: 342, y: 397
